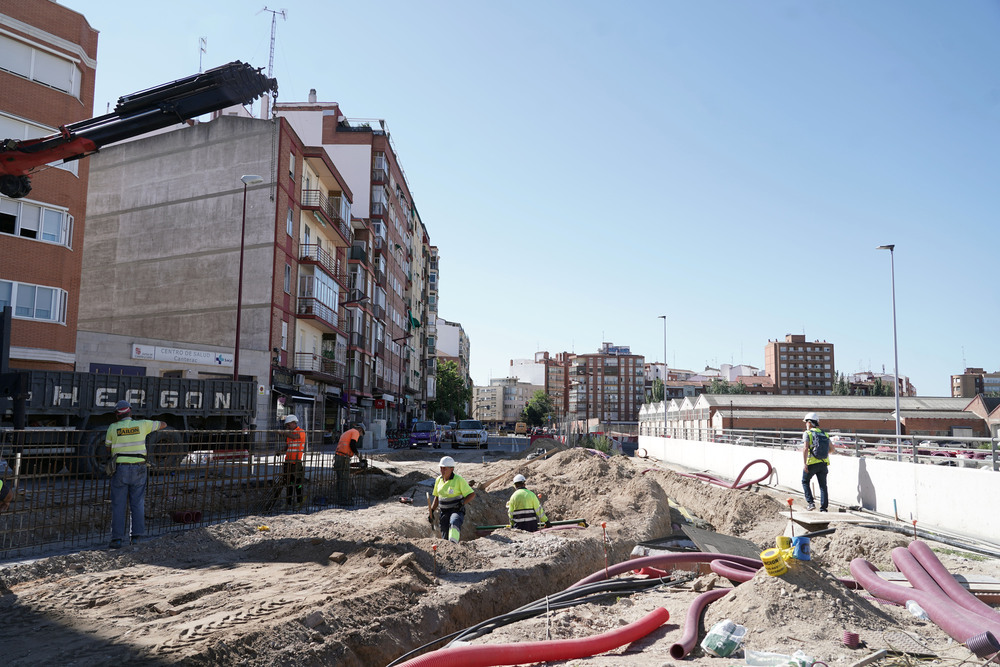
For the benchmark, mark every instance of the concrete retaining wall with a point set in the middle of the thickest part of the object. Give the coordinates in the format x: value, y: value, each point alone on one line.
x: 951, y: 499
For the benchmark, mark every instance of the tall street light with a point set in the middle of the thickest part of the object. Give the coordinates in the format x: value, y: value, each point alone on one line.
x: 665, y: 372
x: 895, y: 348
x: 247, y: 181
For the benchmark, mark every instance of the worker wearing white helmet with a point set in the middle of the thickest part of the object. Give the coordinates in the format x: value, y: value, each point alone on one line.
x: 293, y: 468
x: 815, y: 461
x: 451, y: 494
x: 524, y: 511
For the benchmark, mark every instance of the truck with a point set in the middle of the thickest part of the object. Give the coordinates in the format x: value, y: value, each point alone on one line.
x: 138, y: 113
x: 64, y: 416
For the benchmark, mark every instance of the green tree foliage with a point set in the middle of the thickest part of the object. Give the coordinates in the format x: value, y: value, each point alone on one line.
x: 538, y: 409
x: 880, y: 388
x: 657, y: 391
x: 841, y: 388
x: 720, y: 386
x: 453, y: 394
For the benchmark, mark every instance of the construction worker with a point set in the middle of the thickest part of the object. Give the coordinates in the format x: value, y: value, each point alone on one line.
x: 293, y: 470
x: 126, y: 442
x: 815, y: 461
x: 523, y: 509
x: 347, y: 447
x: 6, y: 495
x: 451, y: 494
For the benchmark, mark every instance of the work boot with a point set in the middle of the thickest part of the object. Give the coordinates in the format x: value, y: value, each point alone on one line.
x: 115, y: 544
x: 810, y: 507
x: 134, y: 539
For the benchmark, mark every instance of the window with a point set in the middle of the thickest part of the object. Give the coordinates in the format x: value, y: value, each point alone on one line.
x: 34, y: 302
x: 291, y: 166
x: 284, y: 335
x: 30, y: 220
x: 288, y: 279
x: 289, y: 227
x: 306, y: 235
x: 41, y: 66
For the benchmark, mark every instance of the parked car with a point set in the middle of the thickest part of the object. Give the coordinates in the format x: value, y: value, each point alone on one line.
x: 520, y: 428
x: 425, y: 434
x: 470, y: 433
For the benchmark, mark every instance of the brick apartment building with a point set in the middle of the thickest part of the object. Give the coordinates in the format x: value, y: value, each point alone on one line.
x: 975, y: 381
x: 48, y: 56
x: 800, y: 367
x: 608, y: 386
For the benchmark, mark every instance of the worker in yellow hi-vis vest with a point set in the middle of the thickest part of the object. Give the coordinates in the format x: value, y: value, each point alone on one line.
x: 6, y: 495
x: 126, y: 442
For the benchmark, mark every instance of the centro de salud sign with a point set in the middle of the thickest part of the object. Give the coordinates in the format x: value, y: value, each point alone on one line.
x: 179, y: 355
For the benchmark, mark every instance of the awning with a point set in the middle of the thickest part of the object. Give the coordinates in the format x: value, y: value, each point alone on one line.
x: 290, y: 393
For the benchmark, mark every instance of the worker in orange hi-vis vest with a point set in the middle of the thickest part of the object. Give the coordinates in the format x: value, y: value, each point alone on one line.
x: 346, y: 448
x: 293, y: 469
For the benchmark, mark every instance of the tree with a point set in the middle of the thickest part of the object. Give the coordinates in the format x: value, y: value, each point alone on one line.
x: 453, y: 393
x: 841, y: 388
x: 720, y: 386
x: 657, y: 391
x: 538, y: 410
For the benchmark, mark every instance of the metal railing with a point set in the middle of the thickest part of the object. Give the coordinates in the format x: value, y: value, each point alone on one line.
x: 57, y: 506
x: 966, y: 452
x: 330, y: 208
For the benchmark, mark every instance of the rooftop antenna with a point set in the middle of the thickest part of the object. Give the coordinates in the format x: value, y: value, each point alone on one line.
x: 202, y: 50
x: 270, y: 58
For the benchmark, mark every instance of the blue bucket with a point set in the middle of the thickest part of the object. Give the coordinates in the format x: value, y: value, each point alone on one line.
x: 800, y: 548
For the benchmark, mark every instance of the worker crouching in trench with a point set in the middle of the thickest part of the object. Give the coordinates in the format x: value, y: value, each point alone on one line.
x: 451, y: 493
x: 524, y: 511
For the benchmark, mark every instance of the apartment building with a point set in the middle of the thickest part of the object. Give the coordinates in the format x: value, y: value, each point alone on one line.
x: 176, y: 216
x: 47, y: 67
x: 503, y: 401
x: 800, y: 367
x: 388, y: 247
x: 608, y: 386
x: 453, y: 345
x: 975, y: 381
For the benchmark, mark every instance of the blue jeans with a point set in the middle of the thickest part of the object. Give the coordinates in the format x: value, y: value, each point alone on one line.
x: 128, y: 491
x: 819, y: 470
x: 451, y: 518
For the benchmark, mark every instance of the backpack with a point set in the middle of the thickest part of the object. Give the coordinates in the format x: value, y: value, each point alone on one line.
x: 820, y: 444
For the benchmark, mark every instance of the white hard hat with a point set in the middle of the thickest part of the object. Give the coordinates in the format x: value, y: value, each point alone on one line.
x: 811, y: 417
x: 291, y: 418
x: 519, y: 478
x: 447, y: 462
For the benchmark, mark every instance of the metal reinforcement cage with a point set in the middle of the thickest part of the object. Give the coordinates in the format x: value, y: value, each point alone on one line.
x: 56, y: 507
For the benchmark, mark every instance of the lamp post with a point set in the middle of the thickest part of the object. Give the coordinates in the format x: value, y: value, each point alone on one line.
x: 665, y: 372
x: 895, y: 348
x: 248, y: 180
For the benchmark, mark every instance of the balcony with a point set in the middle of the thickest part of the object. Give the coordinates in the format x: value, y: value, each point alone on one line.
x: 311, y: 253
x: 377, y: 209
x: 308, y: 307
x: 320, y: 367
x: 315, y: 200
x: 380, y: 278
x: 378, y: 312
x: 379, y: 175
x: 356, y: 339
x: 380, y: 347
x: 379, y: 245
x: 358, y: 253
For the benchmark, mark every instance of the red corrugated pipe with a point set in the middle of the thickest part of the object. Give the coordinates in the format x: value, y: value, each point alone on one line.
x: 665, y: 559
x: 487, y: 655
x: 693, y: 620
x: 736, y: 484
x: 948, y: 583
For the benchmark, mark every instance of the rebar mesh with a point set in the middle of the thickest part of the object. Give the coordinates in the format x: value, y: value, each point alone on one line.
x: 62, y: 499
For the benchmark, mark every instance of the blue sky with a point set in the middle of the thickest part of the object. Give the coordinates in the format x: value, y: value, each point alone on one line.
x: 586, y: 166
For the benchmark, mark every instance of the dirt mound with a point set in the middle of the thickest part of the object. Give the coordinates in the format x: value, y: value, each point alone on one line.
x: 836, y: 551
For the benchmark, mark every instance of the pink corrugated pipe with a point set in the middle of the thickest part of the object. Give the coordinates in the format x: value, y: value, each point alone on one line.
x: 736, y: 484
x: 956, y: 591
x: 693, y: 620
x: 488, y: 655
x: 665, y: 559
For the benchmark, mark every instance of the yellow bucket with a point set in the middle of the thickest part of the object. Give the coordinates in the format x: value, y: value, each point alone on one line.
x: 784, y: 542
x: 773, y: 562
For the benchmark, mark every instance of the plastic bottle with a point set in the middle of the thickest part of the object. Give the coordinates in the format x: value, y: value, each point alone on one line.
x: 916, y: 610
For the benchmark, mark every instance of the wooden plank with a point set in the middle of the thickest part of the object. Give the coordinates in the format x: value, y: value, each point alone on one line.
x: 828, y: 517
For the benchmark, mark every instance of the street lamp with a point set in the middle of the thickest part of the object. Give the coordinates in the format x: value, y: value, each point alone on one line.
x: 895, y: 348
x: 247, y: 180
x: 665, y: 372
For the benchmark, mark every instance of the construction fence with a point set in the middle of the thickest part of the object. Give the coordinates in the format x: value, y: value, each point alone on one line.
x: 62, y: 499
